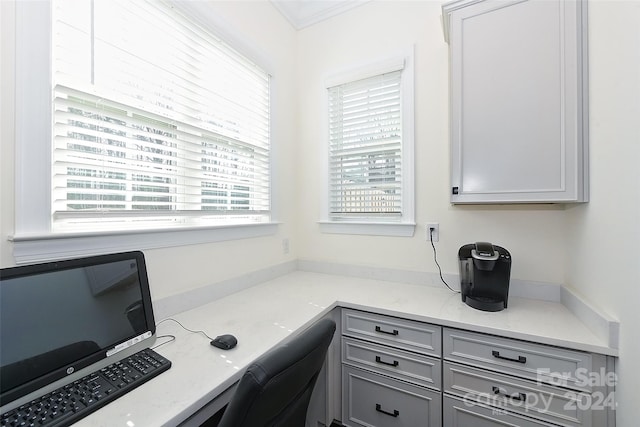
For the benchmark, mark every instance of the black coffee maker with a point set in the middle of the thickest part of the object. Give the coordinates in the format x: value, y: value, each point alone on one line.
x: 484, y: 276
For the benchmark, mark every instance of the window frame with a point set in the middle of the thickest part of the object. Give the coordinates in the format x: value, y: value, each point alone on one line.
x: 33, y: 239
x: 405, y: 225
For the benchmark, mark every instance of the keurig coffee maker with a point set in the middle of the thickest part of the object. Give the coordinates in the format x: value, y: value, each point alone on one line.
x: 484, y: 276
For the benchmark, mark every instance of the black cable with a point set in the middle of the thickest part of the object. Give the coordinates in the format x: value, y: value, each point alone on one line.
x: 436, y: 261
x: 184, y: 327
x: 173, y: 338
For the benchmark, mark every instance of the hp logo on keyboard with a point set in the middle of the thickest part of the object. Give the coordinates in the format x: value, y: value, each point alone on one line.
x: 70, y: 370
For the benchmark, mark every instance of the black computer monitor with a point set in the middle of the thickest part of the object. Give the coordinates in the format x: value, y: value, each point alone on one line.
x: 59, y: 317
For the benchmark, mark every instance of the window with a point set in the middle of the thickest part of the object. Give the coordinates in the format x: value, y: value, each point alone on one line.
x: 136, y: 127
x: 156, y: 122
x: 370, y: 144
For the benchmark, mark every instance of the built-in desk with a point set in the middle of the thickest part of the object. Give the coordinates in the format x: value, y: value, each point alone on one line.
x: 264, y: 315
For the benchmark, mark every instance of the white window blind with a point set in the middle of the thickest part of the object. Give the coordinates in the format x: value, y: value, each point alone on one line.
x: 157, y: 122
x: 365, y: 149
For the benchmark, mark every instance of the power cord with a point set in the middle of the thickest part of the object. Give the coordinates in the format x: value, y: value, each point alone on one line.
x: 436, y: 261
x: 183, y: 327
x: 172, y: 339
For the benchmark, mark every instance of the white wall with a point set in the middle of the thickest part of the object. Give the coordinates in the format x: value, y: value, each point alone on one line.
x: 603, y: 261
x: 7, y: 132
x: 374, y: 31
x: 255, y: 27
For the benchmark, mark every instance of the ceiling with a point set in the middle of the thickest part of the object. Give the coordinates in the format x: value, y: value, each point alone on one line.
x: 303, y: 13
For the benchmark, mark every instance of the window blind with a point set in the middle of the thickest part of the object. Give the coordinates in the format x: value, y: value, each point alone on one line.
x: 365, y: 148
x: 156, y: 121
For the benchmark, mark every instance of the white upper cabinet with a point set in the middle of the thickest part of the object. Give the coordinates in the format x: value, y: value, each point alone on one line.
x: 519, y: 117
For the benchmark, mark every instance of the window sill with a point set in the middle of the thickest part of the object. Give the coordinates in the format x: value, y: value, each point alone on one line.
x: 396, y: 229
x: 42, y: 248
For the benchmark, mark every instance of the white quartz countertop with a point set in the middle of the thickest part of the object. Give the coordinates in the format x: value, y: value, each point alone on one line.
x: 263, y: 315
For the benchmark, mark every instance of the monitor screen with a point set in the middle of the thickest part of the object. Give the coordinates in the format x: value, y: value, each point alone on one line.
x: 59, y: 317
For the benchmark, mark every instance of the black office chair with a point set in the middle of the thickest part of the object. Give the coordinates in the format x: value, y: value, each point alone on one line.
x: 276, y: 389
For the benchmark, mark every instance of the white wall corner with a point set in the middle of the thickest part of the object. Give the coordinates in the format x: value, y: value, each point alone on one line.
x: 600, y: 323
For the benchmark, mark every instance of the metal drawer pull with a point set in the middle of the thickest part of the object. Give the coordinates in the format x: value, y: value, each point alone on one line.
x: 394, y: 414
x: 522, y: 397
x: 379, y: 329
x: 520, y: 359
x: 379, y: 360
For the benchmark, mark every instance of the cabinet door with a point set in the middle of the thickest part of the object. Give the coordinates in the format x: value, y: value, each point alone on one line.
x: 463, y: 413
x: 518, y: 100
x: 370, y: 399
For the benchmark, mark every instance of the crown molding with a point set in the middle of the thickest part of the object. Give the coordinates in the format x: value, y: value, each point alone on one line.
x: 304, y: 13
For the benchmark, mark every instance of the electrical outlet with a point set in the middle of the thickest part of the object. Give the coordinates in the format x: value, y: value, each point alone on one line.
x: 285, y: 246
x: 433, y: 231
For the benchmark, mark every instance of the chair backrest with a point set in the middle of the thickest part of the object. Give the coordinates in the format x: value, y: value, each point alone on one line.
x: 275, y: 389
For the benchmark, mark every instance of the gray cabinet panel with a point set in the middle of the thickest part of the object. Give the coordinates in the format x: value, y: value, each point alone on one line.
x: 525, y: 397
x: 375, y: 400
x: 408, y: 366
x: 400, y: 333
x: 538, y: 362
x: 466, y: 413
x: 391, y: 371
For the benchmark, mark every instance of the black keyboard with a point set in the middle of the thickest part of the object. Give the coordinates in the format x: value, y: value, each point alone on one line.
x: 80, y: 398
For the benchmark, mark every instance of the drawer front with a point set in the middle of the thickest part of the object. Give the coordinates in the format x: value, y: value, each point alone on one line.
x: 375, y: 400
x: 406, y: 334
x: 461, y: 413
x: 404, y: 365
x: 524, y: 397
x: 539, y: 362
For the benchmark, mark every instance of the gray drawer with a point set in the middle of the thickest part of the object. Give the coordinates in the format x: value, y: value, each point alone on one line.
x: 552, y: 404
x: 370, y: 399
x: 406, y: 334
x: 417, y: 368
x: 539, y: 362
x: 462, y: 413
